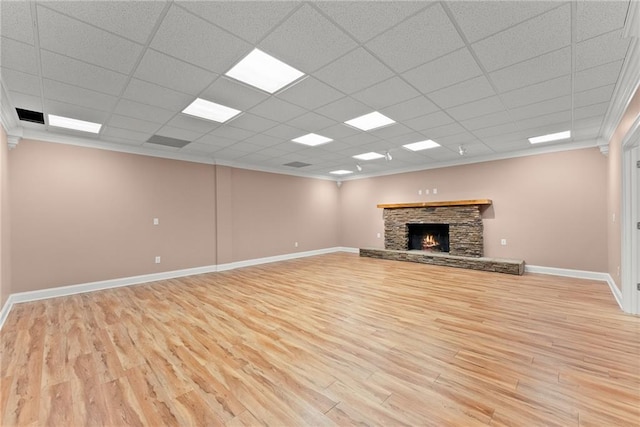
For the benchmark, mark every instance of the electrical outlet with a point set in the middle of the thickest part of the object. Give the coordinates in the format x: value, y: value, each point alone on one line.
x: 156, y: 221
x: 435, y: 191
x: 378, y: 235
x: 157, y: 260
x: 426, y: 191
x: 419, y: 192
x: 503, y: 242
x: 295, y: 244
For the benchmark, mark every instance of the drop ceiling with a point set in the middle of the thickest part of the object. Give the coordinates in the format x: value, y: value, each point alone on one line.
x: 483, y: 75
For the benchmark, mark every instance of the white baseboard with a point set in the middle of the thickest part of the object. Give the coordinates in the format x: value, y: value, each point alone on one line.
x: 579, y: 274
x: 145, y: 278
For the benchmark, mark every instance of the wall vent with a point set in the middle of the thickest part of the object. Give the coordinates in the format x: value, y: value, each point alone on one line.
x: 297, y: 164
x: 167, y: 142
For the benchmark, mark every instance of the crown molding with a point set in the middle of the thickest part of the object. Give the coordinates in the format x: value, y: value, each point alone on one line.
x: 239, y: 165
x: 629, y: 80
x: 8, y: 115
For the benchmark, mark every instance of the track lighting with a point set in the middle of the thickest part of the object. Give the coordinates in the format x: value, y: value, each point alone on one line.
x: 462, y: 150
x: 388, y: 156
x: 358, y: 167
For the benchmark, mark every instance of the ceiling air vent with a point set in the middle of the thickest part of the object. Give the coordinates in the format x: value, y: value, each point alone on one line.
x: 168, y: 142
x: 30, y: 116
x: 297, y: 164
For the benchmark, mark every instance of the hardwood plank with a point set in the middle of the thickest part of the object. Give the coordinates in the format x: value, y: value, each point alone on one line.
x: 332, y: 339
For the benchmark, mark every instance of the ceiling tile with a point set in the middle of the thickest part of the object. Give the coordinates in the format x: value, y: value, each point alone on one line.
x: 124, y: 122
x: 354, y: 71
x: 493, y: 131
x: 184, y: 121
x: 597, y: 76
x: 406, y: 138
x: 184, y: 134
x: 26, y: 102
x: 133, y: 20
x: 338, y: 131
x: 307, y: 41
x: 151, y: 94
x: 277, y: 109
x: 601, y: 50
x: 428, y: 121
x: 18, y: 56
x: 310, y: 93
x: 78, y: 40
x: 537, y: 92
x: 15, y: 21
x: 140, y: 111
x: 457, y: 139
x: 421, y: 38
x: 542, y: 34
x: 561, y: 103
x: 215, y: 142
x: 200, y: 148
x: 541, y: 68
x: 18, y: 81
x: 344, y: 109
x: 232, y: 133
x: 593, y: 110
x: 487, y: 120
x: 233, y: 94
x: 172, y: 73
x: 360, y: 139
x: 481, y: 19
x: 364, y: 20
x: 130, y: 135
x: 246, y: 147
x: 263, y: 141
x: 448, y: 70
x: 285, y: 132
x: 597, y: 17
x: 391, y: 131
x: 249, y: 20
x: 476, y: 108
x: 467, y: 91
x: 74, y: 112
x: 187, y: 37
x: 442, y: 131
x: 252, y: 123
x: 593, y: 96
x: 388, y: 92
x: 311, y: 122
x: 63, y: 92
x: 544, y: 121
x: 415, y: 107
x: 78, y: 73
x: 228, y: 154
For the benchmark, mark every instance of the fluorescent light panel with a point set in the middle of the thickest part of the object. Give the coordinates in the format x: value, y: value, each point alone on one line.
x: 550, y: 137
x: 369, y: 156
x: 263, y: 71
x: 421, y: 145
x: 68, y: 123
x: 370, y: 121
x: 341, y: 172
x: 312, y: 139
x: 210, y: 111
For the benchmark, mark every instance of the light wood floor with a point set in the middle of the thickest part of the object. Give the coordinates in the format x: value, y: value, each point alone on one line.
x: 333, y: 339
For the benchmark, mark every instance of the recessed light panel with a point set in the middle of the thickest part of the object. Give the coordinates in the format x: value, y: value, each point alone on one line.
x: 421, y: 145
x: 68, y: 123
x: 341, y: 172
x: 264, y: 72
x: 369, y: 156
x: 312, y: 139
x: 370, y: 121
x: 210, y: 110
x: 550, y: 137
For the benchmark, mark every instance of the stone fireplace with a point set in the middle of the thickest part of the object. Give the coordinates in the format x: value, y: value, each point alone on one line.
x: 440, y: 233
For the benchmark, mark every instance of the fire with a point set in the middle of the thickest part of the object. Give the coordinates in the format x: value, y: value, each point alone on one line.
x: 429, y: 242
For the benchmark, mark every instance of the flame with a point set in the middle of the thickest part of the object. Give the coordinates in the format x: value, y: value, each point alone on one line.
x: 429, y: 241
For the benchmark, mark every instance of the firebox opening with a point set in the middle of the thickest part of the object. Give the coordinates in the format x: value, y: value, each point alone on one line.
x: 429, y: 237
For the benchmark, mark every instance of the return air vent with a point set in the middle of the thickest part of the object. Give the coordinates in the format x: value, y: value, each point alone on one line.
x: 297, y: 164
x: 168, y: 142
x: 30, y: 116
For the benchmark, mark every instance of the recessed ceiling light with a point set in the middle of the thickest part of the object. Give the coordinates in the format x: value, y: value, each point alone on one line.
x: 264, y: 72
x: 369, y: 156
x: 341, y: 172
x: 66, y: 122
x: 370, y: 121
x: 210, y: 110
x: 550, y: 137
x: 421, y: 145
x: 312, y: 139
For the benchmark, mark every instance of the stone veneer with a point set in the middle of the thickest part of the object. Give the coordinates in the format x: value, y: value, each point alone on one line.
x: 465, y: 227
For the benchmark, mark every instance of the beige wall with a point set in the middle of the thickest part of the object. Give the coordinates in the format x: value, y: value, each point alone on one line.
x: 614, y: 183
x: 549, y: 207
x: 82, y: 215
x: 5, y: 229
x: 272, y: 211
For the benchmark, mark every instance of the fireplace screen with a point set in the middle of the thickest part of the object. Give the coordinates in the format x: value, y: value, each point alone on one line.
x: 429, y: 237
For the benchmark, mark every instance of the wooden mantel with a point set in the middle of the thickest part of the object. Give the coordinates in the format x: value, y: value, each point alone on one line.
x: 479, y: 202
